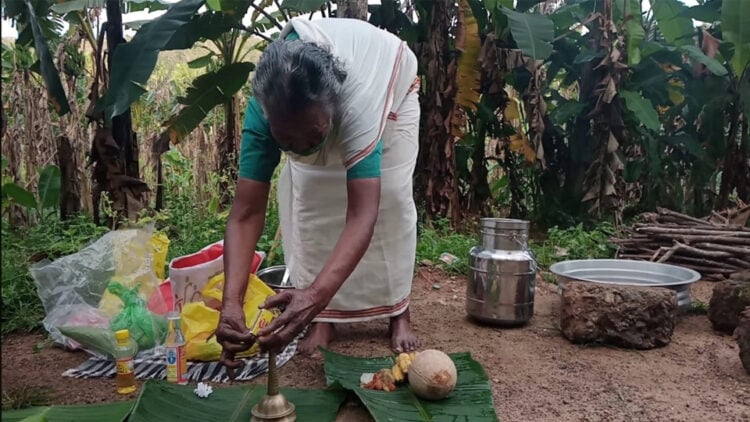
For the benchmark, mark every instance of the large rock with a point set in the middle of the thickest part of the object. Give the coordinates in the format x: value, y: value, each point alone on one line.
x: 728, y: 299
x: 625, y: 316
x: 742, y: 333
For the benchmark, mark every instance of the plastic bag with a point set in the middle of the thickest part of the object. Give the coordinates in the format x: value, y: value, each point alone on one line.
x: 72, y: 288
x: 130, y: 272
x: 199, y: 321
x: 146, y: 328
x: 159, y: 248
x: 189, y: 274
x: 99, y: 341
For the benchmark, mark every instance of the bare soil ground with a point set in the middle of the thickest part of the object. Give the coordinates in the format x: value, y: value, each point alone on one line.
x: 536, y: 374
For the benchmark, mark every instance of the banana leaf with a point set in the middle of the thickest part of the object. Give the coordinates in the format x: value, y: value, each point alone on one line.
x: 164, y: 402
x: 470, y: 401
x: 99, y: 340
x: 80, y: 413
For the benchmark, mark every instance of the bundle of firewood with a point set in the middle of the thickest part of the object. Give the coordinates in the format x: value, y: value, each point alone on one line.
x: 715, y: 246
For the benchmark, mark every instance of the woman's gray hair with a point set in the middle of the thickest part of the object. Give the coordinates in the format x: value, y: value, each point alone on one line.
x: 292, y: 75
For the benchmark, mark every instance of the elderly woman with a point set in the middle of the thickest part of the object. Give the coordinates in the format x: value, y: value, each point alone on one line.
x: 340, y: 98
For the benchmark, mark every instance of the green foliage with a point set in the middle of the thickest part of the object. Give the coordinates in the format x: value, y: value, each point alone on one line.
x: 116, y: 411
x: 630, y: 14
x: 26, y: 396
x: 15, y: 58
x: 209, y: 25
x: 207, y: 91
x: 735, y: 16
x: 133, y: 62
x: 49, y: 187
x: 673, y: 24
x: 712, y: 65
x: 189, y: 220
x: 533, y: 33
x: 229, y: 7
x: 48, y: 192
x: 303, y: 6
x: 19, y: 195
x: 575, y: 243
x: 35, y: 25
x: 698, y: 308
x: 441, y: 238
x: 642, y: 108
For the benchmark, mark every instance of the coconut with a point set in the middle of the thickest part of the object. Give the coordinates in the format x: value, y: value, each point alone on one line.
x: 432, y: 375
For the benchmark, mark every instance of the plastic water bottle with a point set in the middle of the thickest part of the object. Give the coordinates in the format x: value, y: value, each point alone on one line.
x: 175, y: 349
x: 125, y: 350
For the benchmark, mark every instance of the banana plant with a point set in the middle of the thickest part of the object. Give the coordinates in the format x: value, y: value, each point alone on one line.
x: 703, y: 107
x: 116, y: 85
x: 47, y: 197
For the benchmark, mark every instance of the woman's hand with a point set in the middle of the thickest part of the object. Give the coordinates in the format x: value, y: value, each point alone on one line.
x: 233, y: 336
x: 301, y: 306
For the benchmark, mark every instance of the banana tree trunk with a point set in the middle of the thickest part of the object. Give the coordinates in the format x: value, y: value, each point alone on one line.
x: 117, y: 171
x: 228, y: 153
x: 736, y: 174
x: 581, y: 148
x: 122, y: 125
x: 70, y: 187
x: 3, y: 122
x: 355, y: 9
x: 436, y: 164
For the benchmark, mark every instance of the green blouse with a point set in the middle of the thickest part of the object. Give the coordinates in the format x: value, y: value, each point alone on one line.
x: 260, y: 154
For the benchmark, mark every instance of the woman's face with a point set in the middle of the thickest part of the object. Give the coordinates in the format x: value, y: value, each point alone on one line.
x: 302, y: 132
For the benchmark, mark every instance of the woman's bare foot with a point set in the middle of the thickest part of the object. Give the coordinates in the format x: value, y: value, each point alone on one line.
x: 403, y: 338
x: 319, y: 334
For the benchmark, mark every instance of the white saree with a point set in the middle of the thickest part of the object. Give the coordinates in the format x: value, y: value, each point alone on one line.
x: 380, y: 102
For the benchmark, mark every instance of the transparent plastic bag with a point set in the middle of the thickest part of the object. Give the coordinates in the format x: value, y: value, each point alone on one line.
x: 73, y: 288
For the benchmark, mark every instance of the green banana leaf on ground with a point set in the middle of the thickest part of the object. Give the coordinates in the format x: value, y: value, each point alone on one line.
x: 470, y: 401
x: 161, y: 401
x: 164, y: 402
x: 114, y: 412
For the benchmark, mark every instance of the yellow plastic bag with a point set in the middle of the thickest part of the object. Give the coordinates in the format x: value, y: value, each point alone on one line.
x: 159, y: 246
x: 213, y: 290
x: 199, y: 321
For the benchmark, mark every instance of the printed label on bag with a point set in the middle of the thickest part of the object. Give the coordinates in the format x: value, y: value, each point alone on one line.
x: 124, y: 366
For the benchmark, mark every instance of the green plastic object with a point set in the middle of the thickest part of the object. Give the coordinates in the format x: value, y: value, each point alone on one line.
x: 146, y: 328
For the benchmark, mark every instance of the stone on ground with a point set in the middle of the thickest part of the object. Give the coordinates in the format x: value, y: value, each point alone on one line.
x: 728, y: 300
x: 624, y: 316
x: 742, y: 333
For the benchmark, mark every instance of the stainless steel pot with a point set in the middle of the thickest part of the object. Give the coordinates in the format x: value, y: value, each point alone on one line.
x: 276, y: 277
x: 502, y: 274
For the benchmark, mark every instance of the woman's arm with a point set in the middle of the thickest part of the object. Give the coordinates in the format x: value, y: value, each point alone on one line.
x: 244, y: 227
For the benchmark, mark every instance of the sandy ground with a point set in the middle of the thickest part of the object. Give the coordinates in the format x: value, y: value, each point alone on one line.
x: 536, y: 374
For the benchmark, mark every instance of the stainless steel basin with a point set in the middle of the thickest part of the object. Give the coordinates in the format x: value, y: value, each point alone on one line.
x: 628, y: 273
x: 274, y: 277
